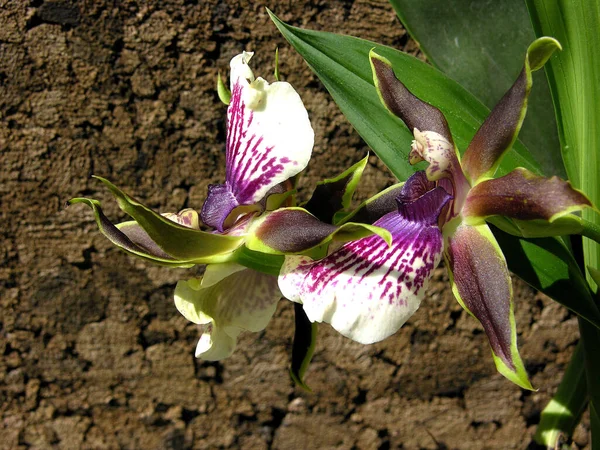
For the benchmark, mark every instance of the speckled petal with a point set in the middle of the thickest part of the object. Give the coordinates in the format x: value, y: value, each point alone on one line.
x: 367, y: 290
x: 244, y: 300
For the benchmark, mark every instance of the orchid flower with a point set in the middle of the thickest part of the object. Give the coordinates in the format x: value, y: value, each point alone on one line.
x: 367, y: 290
x: 269, y: 141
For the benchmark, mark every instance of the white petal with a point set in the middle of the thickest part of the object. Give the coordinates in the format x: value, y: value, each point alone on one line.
x: 366, y: 290
x: 244, y: 300
x: 239, y: 68
x: 216, y: 344
x: 186, y: 294
x: 217, y: 272
x: 269, y: 136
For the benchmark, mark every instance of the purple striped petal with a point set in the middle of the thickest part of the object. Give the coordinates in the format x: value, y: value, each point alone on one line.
x: 219, y: 203
x: 367, y: 290
x: 269, y: 139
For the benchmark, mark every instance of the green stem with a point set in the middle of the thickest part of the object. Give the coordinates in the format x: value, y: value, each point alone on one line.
x: 590, y: 336
x: 562, y: 414
x: 590, y: 230
x: 305, y: 338
x: 261, y: 262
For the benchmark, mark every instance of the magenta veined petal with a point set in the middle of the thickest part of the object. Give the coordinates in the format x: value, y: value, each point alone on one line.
x: 367, y: 290
x: 269, y: 140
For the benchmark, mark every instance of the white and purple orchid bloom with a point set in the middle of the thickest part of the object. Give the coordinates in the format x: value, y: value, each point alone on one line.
x: 269, y: 141
x: 367, y: 289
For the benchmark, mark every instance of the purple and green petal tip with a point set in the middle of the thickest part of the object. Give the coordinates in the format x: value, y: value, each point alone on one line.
x: 523, y: 195
x: 499, y: 131
x: 481, y: 283
x: 394, y: 95
x: 367, y: 289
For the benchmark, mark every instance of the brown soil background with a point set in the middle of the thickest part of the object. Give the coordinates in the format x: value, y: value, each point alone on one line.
x: 94, y: 353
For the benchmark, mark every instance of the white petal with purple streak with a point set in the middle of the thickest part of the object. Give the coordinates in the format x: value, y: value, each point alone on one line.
x: 269, y: 140
x: 366, y: 289
x: 244, y: 300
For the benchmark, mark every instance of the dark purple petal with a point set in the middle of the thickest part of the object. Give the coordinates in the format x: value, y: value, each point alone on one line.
x: 416, y: 186
x: 139, y: 237
x: 426, y: 209
x: 500, y: 129
x: 525, y: 196
x: 497, y: 134
x: 292, y: 230
x: 482, y: 284
x: 414, y: 112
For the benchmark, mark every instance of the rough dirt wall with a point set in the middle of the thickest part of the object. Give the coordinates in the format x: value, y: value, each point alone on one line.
x: 94, y: 354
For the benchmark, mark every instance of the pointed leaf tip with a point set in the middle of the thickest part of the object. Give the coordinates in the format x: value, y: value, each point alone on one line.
x: 276, y: 71
x: 332, y: 196
x: 540, y: 51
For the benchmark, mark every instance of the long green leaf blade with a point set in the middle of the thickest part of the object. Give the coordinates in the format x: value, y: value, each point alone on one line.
x: 481, y: 46
x: 548, y: 266
x: 574, y: 77
x: 342, y: 64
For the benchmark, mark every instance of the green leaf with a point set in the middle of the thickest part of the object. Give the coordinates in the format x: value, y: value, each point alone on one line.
x: 276, y: 71
x: 182, y: 243
x: 481, y: 46
x: 305, y: 336
x: 342, y: 64
x: 591, y: 343
x: 562, y: 414
x: 595, y: 274
x: 548, y: 266
x: 574, y: 80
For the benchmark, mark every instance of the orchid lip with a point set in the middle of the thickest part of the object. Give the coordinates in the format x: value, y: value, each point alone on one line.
x: 367, y: 289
